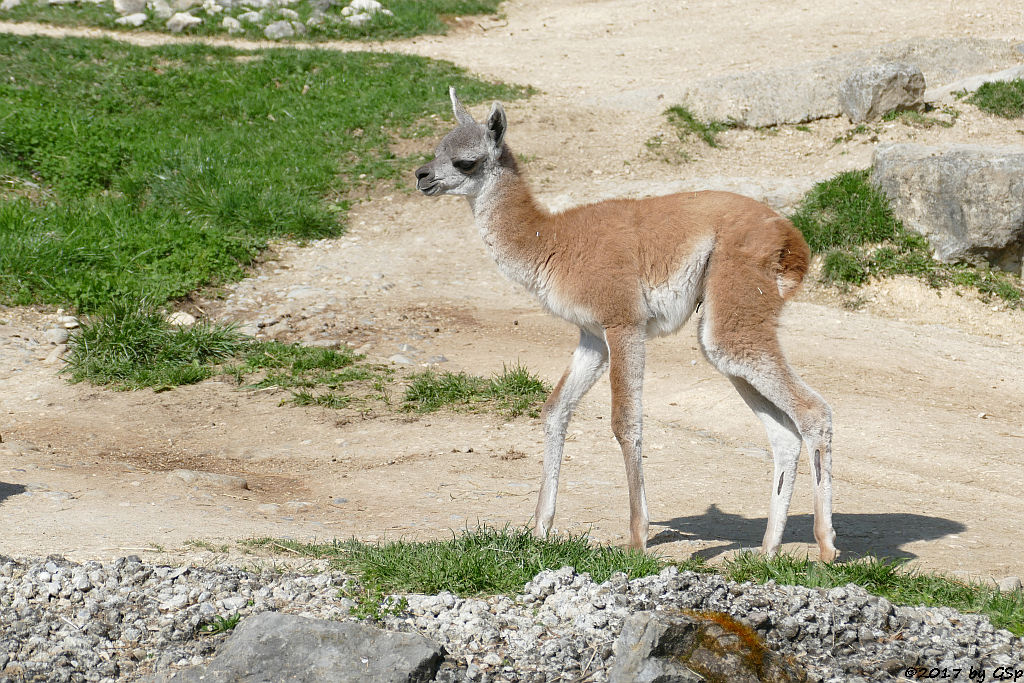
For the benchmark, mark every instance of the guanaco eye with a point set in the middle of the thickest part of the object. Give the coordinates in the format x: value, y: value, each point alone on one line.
x: 466, y: 165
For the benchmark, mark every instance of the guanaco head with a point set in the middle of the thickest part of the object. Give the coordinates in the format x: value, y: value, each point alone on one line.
x: 468, y: 155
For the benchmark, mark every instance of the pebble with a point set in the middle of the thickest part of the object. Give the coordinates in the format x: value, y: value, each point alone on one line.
x: 1009, y: 584
x: 56, y: 335
x: 136, y: 20
x: 182, y: 319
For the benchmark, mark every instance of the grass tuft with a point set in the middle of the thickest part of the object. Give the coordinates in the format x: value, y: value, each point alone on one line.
x: 513, y: 392
x: 481, y: 561
x: 887, y: 578
x: 132, y: 346
x: 1003, y: 98
x: 687, y: 124
x: 843, y: 212
x: 219, y: 624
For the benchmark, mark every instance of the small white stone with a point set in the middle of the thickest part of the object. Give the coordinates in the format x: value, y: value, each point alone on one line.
x: 368, y: 6
x: 180, y: 21
x: 288, y: 13
x: 181, y: 318
x: 56, y: 355
x: 358, y: 19
x: 251, y: 17
x: 278, y: 30
x: 161, y: 10
x: 235, y: 603
x: 1009, y: 584
x: 231, y: 24
x: 56, y: 335
x: 124, y: 7
x: 137, y: 19
x: 9, y: 4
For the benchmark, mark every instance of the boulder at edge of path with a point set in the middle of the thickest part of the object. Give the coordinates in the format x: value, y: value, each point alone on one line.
x: 965, y: 199
x: 271, y: 646
x: 693, y: 646
x: 810, y: 90
x: 874, y: 91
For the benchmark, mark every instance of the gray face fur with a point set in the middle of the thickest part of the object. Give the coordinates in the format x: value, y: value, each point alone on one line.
x: 467, y: 157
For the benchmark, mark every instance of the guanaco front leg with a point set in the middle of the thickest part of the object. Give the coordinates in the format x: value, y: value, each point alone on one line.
x: 589, y: 361
x: 626, y: 347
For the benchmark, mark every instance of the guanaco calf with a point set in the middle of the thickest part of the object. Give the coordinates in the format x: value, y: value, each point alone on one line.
x: 624, y: 270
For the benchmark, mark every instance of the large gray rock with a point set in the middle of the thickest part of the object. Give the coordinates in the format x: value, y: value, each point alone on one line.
x: 967, y: 200
x: 680, y: 647
x: 809, y: 91
x: 271, y: 647
x: 874, y: 91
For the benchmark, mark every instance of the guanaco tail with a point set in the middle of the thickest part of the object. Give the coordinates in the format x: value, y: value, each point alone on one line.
x: 625, y: 270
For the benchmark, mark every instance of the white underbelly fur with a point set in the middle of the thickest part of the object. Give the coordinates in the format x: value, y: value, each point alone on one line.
x: 671, y: 303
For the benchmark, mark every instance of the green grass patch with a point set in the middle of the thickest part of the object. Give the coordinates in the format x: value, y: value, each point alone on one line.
x: 1003, y: 98
x: 481, y: 561
x: 890, y: 579
x: 489, y: 561
x: 850, y: 223
x: 916, y: 119
x: 409, y: 18
x: 219, y: 624
x: 132, y: 346
x: 132, y: 172
x: 513, y: 392
x: 686, y: 124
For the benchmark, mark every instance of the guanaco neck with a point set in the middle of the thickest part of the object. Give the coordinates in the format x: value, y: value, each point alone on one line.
x: 511, y: 222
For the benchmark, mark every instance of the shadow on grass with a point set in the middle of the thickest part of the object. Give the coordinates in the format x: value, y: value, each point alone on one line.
x: 858, y: 535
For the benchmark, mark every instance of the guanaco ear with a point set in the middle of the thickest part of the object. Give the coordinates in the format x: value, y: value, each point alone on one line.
x: 497, y: 124
x: 461, y: 115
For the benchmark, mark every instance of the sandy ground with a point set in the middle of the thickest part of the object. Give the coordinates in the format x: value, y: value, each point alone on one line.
x: 926, y: 387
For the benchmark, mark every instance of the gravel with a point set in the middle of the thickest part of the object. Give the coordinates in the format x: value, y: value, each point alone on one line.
x: 63, y: 621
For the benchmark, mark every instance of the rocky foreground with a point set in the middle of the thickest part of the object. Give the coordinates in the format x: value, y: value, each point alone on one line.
x: 128, y: 620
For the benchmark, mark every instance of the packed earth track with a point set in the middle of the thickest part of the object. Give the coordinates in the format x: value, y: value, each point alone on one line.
x: 925, y: 386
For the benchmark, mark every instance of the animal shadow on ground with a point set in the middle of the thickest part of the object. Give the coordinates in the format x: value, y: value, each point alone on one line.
x: 877, y: 534
x: 8, y: 490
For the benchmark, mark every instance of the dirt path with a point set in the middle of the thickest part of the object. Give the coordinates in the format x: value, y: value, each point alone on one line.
x: 926, y: 389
